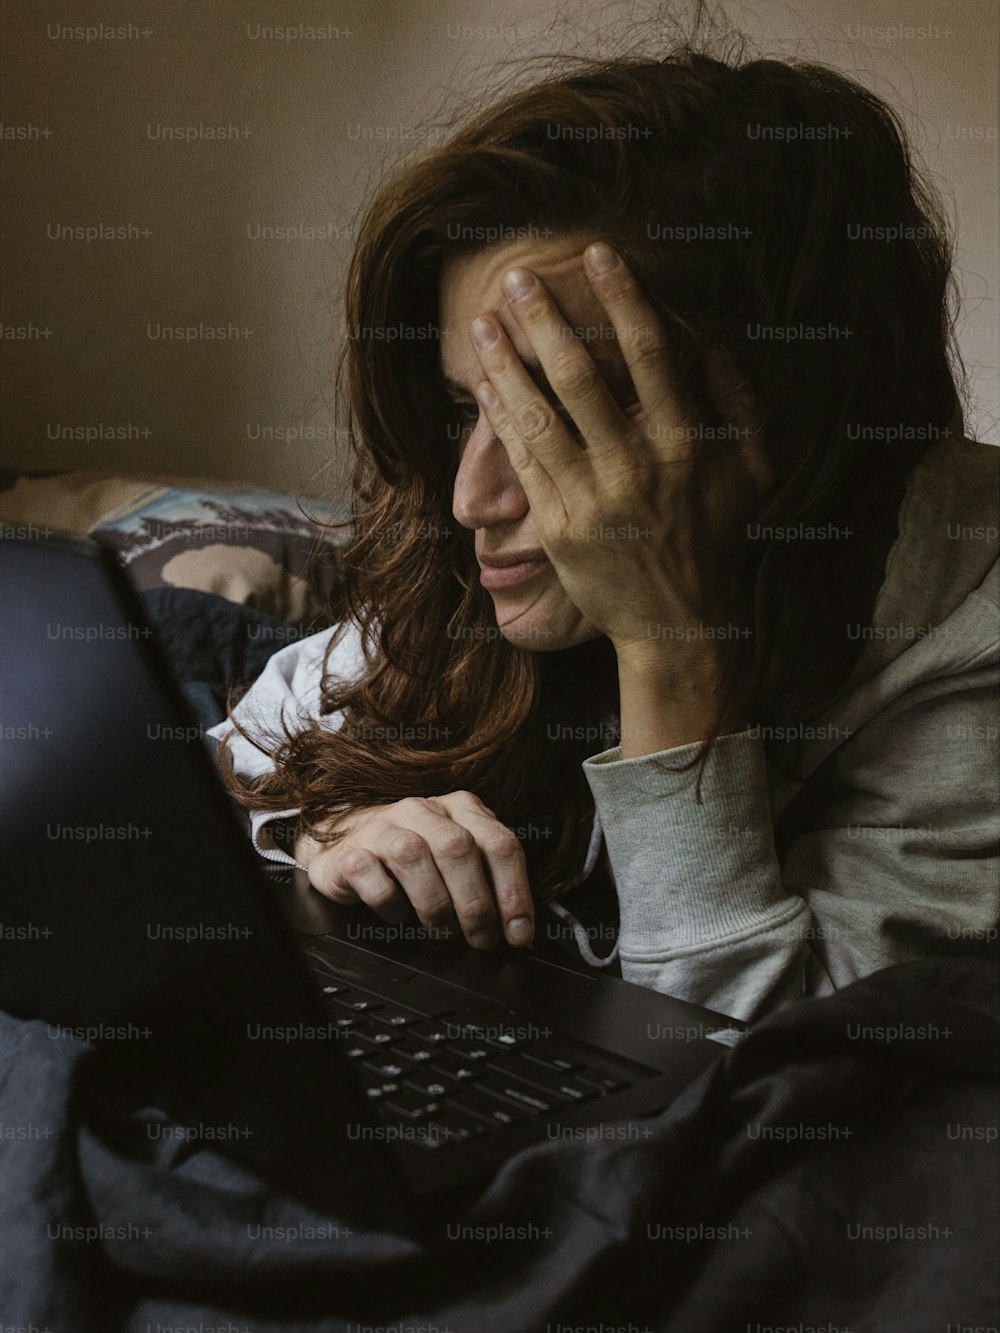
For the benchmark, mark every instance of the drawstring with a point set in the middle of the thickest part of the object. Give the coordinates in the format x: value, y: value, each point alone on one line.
x: 581, y: 937
x: 566, y: 916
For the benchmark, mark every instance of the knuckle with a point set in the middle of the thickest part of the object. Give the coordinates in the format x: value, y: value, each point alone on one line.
x: 616, y: 286
x: 407, y: 848
x: 472, y: 802
x: 573, y: 377
x: 468, y: 799
x: 412, y: 805
x: 505, y: 845
x: 456, y: 844
x: 534, y: 420
x: 356, y: 860
x: 381, y: 898
x: 648, y: 345
x: 338, y: 893
x: 477, y: 916
x: 437, y: 912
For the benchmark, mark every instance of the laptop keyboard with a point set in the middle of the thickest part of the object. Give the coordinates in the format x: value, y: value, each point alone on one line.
x: 444, y: 1076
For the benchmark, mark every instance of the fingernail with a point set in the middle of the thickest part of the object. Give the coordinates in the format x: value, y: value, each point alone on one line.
x: 520, y: 931
x: 488, y: 396
x: 517, y: 282
x: 601, y: 257
x: 484, y: 331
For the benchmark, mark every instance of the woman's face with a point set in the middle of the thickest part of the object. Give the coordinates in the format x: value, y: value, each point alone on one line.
x: 532, y: 610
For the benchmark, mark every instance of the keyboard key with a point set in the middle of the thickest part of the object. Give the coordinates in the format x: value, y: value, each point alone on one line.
x: 377, y: 1090
x: 436, y: 1030
x: 553, y: 1054
x: 393, y: 1016
x: 383, y: 1065
x: 411, y: 1104
x: 486, y: 1108
x: 412, y: 1049
x: 449, y: 1127
x: 429, y: 1083
x: 506, y: 1037
x: 435, y: 1139
x: 454, y: 1066
x: 472, y: 1048
x: 366, y: 1030
x: 600, y: 1070
x: 605, y: 1080
x: 552, y: 1080
x: 358, y: 1001
x: 453, y: 1118
x: 522, y: 1094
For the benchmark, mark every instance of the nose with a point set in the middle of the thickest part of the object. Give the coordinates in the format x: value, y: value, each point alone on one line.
x: 486, y: 489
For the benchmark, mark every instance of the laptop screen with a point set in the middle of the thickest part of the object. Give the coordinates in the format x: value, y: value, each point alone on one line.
x: 134, y: 913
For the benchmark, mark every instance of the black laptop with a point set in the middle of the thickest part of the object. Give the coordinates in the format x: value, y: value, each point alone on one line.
x: 382, y: 1073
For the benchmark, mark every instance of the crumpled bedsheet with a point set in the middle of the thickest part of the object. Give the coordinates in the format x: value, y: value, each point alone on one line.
x: 836, y: 1170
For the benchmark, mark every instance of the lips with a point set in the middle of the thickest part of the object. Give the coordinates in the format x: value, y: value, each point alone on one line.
x: 507, y: 575
x: 504, y: 558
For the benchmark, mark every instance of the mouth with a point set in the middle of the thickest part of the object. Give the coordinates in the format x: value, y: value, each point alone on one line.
x: 507, y: 575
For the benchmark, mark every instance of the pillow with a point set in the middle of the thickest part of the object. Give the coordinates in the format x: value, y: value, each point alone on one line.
x: 36, y: 503
x: 250, y: 547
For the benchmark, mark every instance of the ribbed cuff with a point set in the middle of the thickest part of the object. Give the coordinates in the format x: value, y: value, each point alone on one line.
x: 263, y: 838
x: 689, y: 873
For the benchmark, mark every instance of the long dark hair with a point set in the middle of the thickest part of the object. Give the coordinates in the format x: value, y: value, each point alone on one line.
x: 827, y: 297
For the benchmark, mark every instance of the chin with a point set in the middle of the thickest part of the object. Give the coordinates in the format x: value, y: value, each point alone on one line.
x: 544, y: 634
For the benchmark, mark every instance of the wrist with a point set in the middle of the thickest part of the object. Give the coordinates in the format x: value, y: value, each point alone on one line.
x: 676, y: 664
x: 666, y: 699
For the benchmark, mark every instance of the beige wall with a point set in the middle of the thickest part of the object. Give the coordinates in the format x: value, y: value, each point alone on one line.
x: 295, y: 161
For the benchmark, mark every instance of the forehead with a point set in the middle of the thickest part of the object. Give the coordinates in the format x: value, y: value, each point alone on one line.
x: 470, y: 286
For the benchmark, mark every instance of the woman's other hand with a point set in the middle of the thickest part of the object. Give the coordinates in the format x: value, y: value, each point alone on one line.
x: 448, y: 857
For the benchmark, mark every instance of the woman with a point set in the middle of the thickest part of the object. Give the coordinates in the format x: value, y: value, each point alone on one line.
x: 669, y: 555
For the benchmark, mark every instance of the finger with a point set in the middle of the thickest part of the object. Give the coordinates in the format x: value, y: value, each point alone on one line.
x: 460, y: 800
x: 460, y: 865
x: 581, y: 392
x: 503, y: 854
x: 525, y: 423
x: 505, y: 863
x: 348, y: 874
x: 407, y: 854
x: 644, y: 346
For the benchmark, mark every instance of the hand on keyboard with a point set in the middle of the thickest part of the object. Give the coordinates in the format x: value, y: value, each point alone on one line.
x: 447, y: 856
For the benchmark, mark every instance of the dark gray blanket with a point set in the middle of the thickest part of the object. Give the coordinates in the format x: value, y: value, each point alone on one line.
x: 834, y: 1171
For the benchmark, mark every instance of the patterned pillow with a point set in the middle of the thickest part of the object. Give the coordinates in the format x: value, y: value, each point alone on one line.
x: 250, y: 547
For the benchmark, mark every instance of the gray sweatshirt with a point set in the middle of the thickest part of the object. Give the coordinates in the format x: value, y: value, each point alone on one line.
x: 898, y: 855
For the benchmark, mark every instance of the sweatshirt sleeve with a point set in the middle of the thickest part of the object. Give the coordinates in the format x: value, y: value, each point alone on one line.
x: 287, y: 690
x: 902, y: 859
